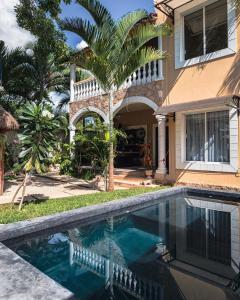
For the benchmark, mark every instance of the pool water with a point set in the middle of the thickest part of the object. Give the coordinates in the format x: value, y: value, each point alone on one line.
x: 184, y: 247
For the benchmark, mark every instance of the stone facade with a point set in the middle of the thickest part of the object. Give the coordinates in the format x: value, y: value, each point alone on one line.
x: 152, y: 91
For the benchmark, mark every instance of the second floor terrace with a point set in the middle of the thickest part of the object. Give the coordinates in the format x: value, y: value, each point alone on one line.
x: 90, y: 87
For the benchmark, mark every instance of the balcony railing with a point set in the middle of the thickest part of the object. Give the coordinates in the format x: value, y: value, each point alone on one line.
x: 90, y: 87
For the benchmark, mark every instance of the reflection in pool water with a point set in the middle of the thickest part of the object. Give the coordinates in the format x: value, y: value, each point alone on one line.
x: 185, y: 247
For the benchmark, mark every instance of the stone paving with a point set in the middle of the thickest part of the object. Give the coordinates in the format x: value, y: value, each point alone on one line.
x: 40, y: 187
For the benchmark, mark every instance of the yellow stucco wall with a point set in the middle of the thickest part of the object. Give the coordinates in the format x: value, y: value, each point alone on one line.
x: 219, y: 77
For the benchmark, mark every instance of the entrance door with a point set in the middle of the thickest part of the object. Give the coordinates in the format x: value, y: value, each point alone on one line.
x: 156, y: 147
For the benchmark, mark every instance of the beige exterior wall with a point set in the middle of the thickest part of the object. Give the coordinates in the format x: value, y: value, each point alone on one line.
x: 215, y: 78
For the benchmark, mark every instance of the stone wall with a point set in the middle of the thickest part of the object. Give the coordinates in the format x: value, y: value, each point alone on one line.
x: 152, y: 91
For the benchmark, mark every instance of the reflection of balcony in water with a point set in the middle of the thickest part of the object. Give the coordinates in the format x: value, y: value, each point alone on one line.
x: 115, y: 274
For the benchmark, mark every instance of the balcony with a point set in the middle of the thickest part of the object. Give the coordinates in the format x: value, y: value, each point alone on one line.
x: 90, y: 87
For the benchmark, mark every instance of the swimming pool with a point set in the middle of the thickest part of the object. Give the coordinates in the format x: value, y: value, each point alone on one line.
x: 185, y: 246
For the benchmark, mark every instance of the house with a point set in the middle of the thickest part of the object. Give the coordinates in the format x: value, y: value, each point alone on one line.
x: 181, y: 111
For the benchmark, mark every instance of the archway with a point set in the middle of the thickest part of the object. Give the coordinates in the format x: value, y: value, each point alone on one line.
x: 135, y: 116
x: 80, y: 114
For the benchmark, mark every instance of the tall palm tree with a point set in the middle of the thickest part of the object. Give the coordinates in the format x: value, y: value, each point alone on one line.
x: 46, y: 73
x: 14, y: 86
x: 115, y: 50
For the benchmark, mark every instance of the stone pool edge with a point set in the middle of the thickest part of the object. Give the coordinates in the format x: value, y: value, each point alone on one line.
x: 20, y: 279
x: 21, y: 228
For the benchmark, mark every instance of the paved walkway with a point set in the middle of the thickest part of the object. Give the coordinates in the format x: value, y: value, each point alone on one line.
x: 40, y: 187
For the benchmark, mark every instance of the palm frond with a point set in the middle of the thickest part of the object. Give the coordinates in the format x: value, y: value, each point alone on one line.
x: 127, y: 23
x: 87, y: 31
x: 139, y: 59
x: 99, y: 12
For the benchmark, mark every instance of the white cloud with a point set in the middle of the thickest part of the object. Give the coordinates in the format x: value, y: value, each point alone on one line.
x: 82, y: 45
x: 10, y: 32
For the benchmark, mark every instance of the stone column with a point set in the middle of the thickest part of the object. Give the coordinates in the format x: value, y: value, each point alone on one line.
x: 162, y: 170
x: 72, y: 130
x: 72, y: 81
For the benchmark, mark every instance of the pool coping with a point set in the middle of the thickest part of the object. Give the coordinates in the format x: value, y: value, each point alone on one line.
x: 16, y: 281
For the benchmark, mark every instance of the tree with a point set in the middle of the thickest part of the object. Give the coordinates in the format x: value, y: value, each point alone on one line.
x: 46, y: 72
x: 16, y: 87
x: 115, y: 50
x: 39, y: 138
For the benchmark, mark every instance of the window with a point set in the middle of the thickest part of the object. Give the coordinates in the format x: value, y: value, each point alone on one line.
x: 207, y: 137
x: 206, y: 30
x: 213, y: 231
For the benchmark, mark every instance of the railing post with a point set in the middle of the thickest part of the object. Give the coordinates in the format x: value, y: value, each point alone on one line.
x: 160, y: 75
x: 72, y: 82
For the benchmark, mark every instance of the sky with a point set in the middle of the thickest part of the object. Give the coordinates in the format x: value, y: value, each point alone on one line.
x: 117, y: 8
x: 15, y: 36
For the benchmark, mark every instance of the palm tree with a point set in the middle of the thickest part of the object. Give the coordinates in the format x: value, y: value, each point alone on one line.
x: 14, y: 86
x: 115, y: 50
x: 46, y: 72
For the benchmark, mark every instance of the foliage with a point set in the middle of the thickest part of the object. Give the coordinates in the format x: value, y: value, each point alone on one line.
x: 116, y: 49
x: 63, y: 158
x: 46, y: 73
x: 37, y: 16
x: 90, y: 148
x: 39, y: 136
x: 16, y: 86
x: 48, y: 207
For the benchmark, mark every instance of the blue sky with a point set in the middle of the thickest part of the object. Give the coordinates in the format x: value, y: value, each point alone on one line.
x: 116, y: 7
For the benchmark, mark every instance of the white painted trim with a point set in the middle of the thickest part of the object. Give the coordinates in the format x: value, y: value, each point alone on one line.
x: 181, y: 162
x: 133, y: 100
x: 85, y: 110
x: 155, y: 163
x: 180, y: 61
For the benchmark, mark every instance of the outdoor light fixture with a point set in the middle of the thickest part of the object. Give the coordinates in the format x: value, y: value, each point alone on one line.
x: 235, y: 103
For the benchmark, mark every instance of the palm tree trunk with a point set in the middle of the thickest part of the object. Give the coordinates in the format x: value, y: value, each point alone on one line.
x: 23, y: 191
x: 15, y: 195
x: 111, y: 152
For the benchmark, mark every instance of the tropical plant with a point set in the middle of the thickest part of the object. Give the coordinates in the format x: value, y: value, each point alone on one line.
x: 39, y: 139
x: 15, y: 87
x: 46, y: 72
x: 91, y: 145
x: 115, y: 50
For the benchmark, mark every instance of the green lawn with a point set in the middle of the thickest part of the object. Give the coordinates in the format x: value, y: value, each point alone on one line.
x: 48, y: 207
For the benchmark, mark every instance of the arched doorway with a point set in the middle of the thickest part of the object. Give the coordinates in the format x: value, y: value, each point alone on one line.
x: 135, y: 116
x: 85, y: 115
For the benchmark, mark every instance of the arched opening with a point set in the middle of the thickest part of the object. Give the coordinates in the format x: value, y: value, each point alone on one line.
x: 87, y: 113
x: 135, y: 116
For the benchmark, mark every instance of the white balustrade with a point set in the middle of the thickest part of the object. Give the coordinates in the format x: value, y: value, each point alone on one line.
x: 123, y: 278
x: 90, y: 87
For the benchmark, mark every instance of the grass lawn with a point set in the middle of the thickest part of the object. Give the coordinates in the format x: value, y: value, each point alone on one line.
x: 51, y: 206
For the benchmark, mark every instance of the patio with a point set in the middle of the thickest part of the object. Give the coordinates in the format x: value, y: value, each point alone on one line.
x: 40, y: 187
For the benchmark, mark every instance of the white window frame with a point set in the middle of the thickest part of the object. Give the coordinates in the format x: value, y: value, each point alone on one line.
x: 181, y: 162
x: 191, y: 7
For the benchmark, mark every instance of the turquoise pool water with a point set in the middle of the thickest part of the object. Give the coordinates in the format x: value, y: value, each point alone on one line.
x: 185, y: 247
